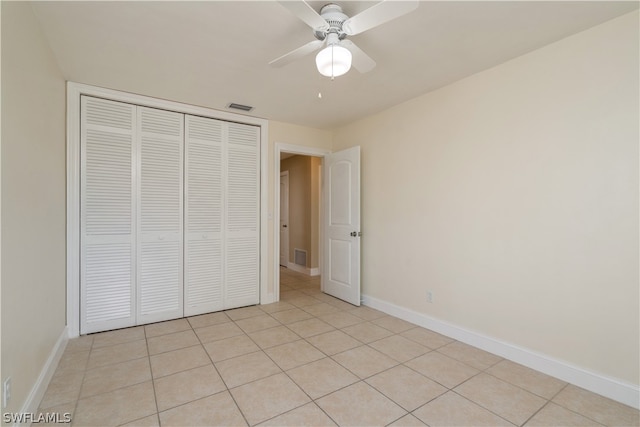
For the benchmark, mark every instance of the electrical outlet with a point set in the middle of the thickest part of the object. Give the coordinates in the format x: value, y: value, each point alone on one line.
x: 6, y: 392
x: 429, y: 297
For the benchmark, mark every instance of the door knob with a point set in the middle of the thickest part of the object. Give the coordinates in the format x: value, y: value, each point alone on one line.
x: 353, y: 234
x: 284, y: 226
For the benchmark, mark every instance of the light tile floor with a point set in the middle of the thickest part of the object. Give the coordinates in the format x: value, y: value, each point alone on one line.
x: 311, y: 360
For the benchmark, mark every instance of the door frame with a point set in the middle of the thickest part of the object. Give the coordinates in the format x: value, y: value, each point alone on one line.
x: 283, y: 175
x: 302, y: 151
x: 74, y: 91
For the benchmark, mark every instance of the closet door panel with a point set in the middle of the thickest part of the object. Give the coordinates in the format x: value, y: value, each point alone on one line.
x: 204, y: 211
x: 242, y: 248
x: 170, y: 215
x: 160, y: 194
x: 107, y: 226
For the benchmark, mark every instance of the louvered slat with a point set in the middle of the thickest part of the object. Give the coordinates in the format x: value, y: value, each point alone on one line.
x: 108, y: 282
x: 242, y: 189
x: 143, y: 173
x: 161, y: 185
x: 160, y: 276
x: 160, y: 281
x: 203, y: 284
x: 242, y: 260
x: 204, y: 186
x: 160, y: 122
x: 107, y: 196
x: 204, y: 215
x: 113, y: 115
x: 107, y: 215
x: 241, y: 271
x: 204, y: 129
x: 244, y: 135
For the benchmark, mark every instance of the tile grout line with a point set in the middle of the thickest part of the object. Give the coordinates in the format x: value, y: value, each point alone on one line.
x: 569, y: 409
x: 479, y: 405
x: 84, y: 373
x: 282, y: 371
x: 227, y: 389
x: 276, y: 364
x: 311, y: 400
x: 360, y: 380
x: 304, y: 289
x: 153, y: 382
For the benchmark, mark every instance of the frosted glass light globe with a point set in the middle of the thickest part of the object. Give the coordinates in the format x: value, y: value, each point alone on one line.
x: 333, y: 61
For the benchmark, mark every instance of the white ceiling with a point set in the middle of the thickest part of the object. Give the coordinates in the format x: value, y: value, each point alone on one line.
x: 211, y: 53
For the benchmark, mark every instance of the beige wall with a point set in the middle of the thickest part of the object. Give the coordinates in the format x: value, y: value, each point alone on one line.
x: 33, y: 201
x: 299, y: 168
x: 512, y: 195
x: 303, y: 206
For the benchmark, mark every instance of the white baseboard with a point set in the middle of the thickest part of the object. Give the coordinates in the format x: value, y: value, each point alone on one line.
x: 303, y: 270
x: 620, y: 391
x: 40, y: 387
x: 298, y: 268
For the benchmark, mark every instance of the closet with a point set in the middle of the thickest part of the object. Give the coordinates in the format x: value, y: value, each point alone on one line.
x: 169, y: 214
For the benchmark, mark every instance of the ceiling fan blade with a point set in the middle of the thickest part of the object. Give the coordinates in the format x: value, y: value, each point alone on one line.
x: 306, y: 13
x: 378, y: 14
x: 297, y: 53
x: 360, y: 60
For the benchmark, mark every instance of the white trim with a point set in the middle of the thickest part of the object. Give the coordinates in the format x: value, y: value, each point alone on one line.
x: 266, y: 297
x: 298, y: 268
x: 32, y: 402
x: 304, y: 270
x: 73, y: 209
x: 294, y: 149
x: 620, y: 391
x: 318, y: 271
x: 284, y: 174
x: 74, y: 91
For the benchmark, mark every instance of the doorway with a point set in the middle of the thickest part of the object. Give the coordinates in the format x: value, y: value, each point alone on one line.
x: 339, y: 221
x: 300, y: 256
x: 300, y: 189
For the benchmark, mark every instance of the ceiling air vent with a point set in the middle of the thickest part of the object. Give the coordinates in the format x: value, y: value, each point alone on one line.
x: 240, y: 107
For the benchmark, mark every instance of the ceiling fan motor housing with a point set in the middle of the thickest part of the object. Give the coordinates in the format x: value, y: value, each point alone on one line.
x: 332, y: 13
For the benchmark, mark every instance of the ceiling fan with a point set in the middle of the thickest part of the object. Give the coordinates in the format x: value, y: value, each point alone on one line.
x: 331, y: 27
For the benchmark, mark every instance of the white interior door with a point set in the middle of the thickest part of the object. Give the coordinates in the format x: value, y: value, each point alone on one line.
x: 242, y: 225
x: 169, y: 223
x: 284, y: 218
x: 341, y: 265
x: 160, y: 199
x: 204, y: 215
x: 107, y: 225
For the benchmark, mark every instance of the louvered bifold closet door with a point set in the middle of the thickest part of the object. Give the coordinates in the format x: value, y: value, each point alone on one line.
x: 204, y: 187
x: 107, y: 220
x: 160, y: 193
x: 242, y: 242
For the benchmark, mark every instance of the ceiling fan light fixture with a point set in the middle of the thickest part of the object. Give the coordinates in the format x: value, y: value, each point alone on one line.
x: 333, y: 61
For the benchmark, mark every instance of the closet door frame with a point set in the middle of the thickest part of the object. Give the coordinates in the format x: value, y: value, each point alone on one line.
x: 74, y: 92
